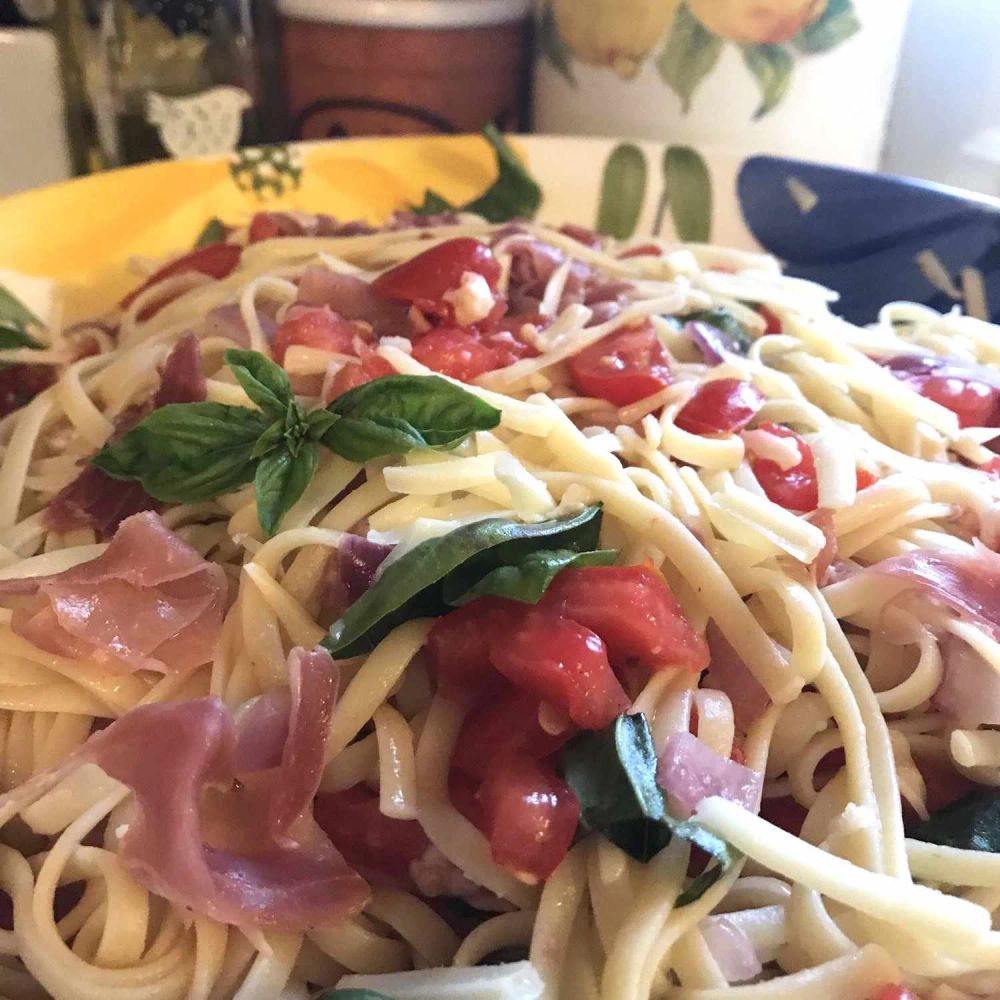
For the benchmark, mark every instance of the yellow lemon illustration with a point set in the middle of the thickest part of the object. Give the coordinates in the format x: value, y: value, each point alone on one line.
x: 753, y: 22
x: 615, y: 33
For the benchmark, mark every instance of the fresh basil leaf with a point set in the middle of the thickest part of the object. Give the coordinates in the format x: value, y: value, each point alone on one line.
x: 269, y: 440
x: 401, y: 413
x: 214, y: 232
x: 722, y: 319
x: 613, y: 774
x: 265, y: 382
x: 970, y: 824
x: 280, y: 480
x: 352, y: 995
x: 12, y: 337
x: 14, y: 314
x: 528, y: 580
x: 414, y: 585
x: 513, y: 194
x: 319, y: 422
x: 187, y: 452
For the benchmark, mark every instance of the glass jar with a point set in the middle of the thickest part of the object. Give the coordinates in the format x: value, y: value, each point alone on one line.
x: 163, y: 78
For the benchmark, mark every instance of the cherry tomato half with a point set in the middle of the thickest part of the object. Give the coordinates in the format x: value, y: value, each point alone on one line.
x: 370, y: 841
x: 529, y: 814
x: 633, y: 610
x: 507, y: 721
x: 795, y: 488
x: 771, y: 319
x: 622, y: 368
x: 564, y: 663
x: 722, y: 406
x: 350, y: 376
x: 318, y: 327
x: 970, y: 392
x: 425, y: 280
x: 455, y: 352
x: 217, y: 261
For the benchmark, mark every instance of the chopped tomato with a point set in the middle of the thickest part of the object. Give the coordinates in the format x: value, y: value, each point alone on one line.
x: 529, y: 814
x: 370, y: 841
x: 795, y: 488
x: 350, y: 376
x: 865, y: 479
x: 646, y: 250
x: 267, y: 226
x: 315, y: 326
x: 772, y: 320
x: 722, y: 406
x: 564, y: 663
x: 426, y: 280
x: 992, y: 467
x: 624, y: 367
x: 894, y: 992
x: 458, y: 645
x: 632, y: 609
x: 507, y: 346
x: 505, y: 722
x: 455, y: 352
x: 463, y: 791
x: 974, y: 403
x: 217, y: 261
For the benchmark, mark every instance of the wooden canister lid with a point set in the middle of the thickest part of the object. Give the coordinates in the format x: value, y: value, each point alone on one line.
x: 417, y: 14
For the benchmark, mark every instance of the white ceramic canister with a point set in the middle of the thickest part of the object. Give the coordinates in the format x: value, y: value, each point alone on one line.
x: 364, y: 67
x: 810, y: 79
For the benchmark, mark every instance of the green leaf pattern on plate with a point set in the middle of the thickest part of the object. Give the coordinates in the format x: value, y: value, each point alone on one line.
x: 623, y: 191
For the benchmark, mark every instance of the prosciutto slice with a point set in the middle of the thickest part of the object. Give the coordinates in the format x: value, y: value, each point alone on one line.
x: 219, y: 833
x: 728, y: 673
x: 149, y: 602
x: 967, y: 584
x: 96, y: 500
x: 353, y: 298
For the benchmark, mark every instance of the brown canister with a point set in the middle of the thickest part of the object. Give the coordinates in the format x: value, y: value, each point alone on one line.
x: 381, y: 67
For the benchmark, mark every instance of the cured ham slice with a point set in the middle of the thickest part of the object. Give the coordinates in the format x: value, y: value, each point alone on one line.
x: 149, y: 602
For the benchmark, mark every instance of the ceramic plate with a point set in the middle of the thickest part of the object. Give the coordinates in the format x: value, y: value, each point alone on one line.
x: 871, y: 237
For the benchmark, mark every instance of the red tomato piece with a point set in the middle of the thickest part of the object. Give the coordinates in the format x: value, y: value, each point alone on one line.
x: 266, y: 226
x: 458, y: 644
x: 563, y: 663
x: 624, y: 367
x: 772, y: 320
x: 974, y: 403
x: 371, y: 842
x: 529, y: 814
x: 865, y: 479
x: 456, y: 352
x: 992, y: 467
x: 217, y: 261
x: 351, y: 376
x: 506, y: 722
x: 425, y: 280
x: 646, y: 250
x: 633, y: 610
x: 722, y: 406
x: 507, y: 347
x: 317, y: 327
x: 795, y: 488
x: 893, y: 992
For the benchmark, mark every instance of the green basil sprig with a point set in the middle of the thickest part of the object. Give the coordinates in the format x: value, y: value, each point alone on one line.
x: 722, y: 319
x: 514, y: 194
x: 15, y: 318
x: 214, y: 232
x: 613, y: 774
x: 420, y: 583
x: 971, y: 824
x: 191, y: 452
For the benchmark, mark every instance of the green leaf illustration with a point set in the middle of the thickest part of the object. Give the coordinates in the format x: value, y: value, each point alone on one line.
x: 839, y: 21
x: 687, y: 189
x: 772, y: 65
x: 623, y: 191
x: 552, y: 46
x: 690, y: 55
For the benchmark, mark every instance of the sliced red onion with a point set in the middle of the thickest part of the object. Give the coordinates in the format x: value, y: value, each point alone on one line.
x: 917, y: 367
x: 711, y: 341
x: 731, y: 948
x: 358, y: 559
x: 728, y: 673
x: 970, y: 690
x: 690, y: 771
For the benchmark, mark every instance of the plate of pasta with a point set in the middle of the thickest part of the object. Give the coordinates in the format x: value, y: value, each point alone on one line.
x: 458, y: 606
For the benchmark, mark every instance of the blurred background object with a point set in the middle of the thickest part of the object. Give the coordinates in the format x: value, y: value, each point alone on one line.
x: 945, y: 122
x: 150, y: 79
x: 800, y: 78
x: 375, y: 67
x: 33, y: 143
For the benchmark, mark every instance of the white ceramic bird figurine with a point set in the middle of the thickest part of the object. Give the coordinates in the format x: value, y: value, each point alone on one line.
x: 200, y: 124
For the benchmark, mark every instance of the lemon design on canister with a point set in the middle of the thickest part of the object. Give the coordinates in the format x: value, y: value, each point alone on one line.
x: 616, y: 33
x: 757, y: 22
